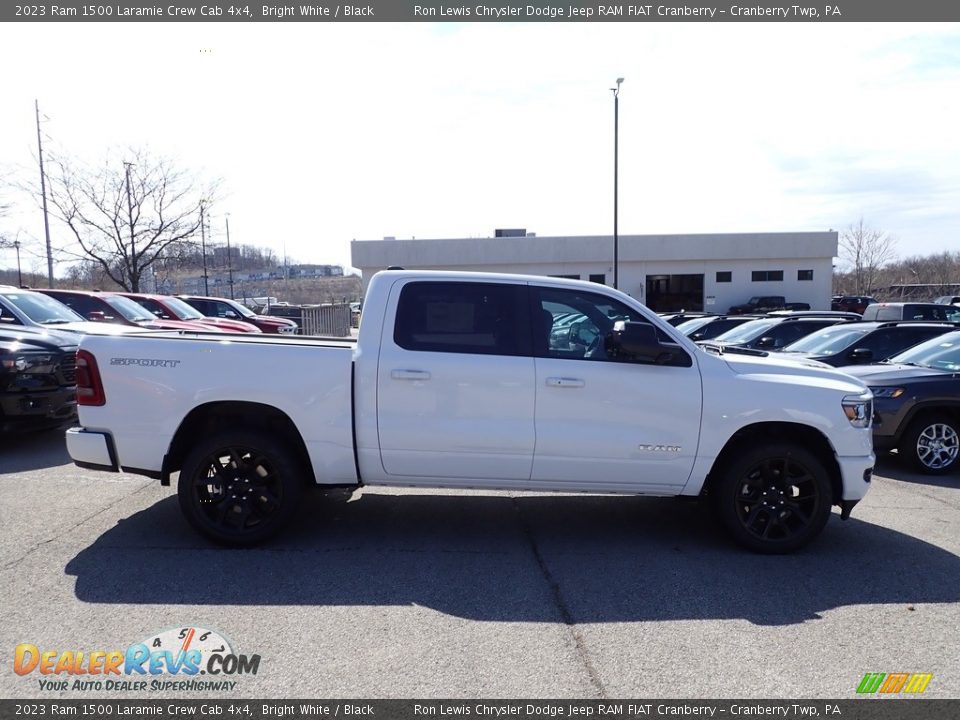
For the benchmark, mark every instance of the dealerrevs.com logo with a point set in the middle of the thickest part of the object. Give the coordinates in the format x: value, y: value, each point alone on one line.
x: 186, y: 658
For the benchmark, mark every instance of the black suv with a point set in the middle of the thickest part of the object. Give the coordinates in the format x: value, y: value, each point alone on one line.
x: 864, y: 342
x: 37, y: 378
x: 916, y: 403
x: 779, y: 330
x: 710, y: 326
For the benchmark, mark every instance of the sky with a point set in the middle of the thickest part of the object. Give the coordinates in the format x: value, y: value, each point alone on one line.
x: 324, y: 133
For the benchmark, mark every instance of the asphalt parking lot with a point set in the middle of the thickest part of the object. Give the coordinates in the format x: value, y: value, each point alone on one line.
x: 406, y: 594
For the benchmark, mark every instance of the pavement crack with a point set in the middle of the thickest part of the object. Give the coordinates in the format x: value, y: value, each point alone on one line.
x: 565, y: 613
x: 36, y: 546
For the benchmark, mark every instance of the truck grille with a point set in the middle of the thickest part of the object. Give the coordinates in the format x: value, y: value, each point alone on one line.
x: 68, y: 369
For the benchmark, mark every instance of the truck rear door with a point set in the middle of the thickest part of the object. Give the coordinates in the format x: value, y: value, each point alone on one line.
x: 455, y: 382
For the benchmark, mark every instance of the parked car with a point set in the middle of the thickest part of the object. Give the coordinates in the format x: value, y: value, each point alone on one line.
x: 765, y: 303
x: 864, y: 342
x: 675, y: 318
x: 947, y: 300
x: 37, y: 378
x: 166, y: 307
x: 232, y: 310
x: 911, y: 311
x: 774, y: 332
x: 710, y: 326
x: 454, y: 381
x: 115, y: 308
x: 917, y: 403
x: 851, y: 303
x: 28, y: 308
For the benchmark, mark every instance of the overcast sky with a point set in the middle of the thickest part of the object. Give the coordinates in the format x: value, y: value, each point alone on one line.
x: 326, y: 133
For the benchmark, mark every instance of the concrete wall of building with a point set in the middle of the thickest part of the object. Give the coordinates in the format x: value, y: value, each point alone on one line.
x: 640, y: 256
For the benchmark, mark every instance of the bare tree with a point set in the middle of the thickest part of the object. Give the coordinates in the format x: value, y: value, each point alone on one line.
x: 866, y: 251
x: 127, y: 214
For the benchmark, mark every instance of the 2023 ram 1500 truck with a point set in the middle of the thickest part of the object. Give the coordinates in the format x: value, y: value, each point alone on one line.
x: 470, y: 380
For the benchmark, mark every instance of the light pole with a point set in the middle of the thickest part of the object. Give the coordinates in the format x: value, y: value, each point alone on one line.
x: 616, y: 160
x: 43, y: 192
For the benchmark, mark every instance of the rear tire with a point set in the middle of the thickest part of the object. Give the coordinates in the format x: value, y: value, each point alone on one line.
x: 931, y: 444
x: 774, y: 498
x: 239, y: 487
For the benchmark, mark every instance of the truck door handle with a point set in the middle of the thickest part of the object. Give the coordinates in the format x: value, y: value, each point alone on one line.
x: 409, y: 374
x: 563, y: 382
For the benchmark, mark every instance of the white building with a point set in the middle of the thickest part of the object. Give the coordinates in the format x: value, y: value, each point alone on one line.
x: 667, y: 272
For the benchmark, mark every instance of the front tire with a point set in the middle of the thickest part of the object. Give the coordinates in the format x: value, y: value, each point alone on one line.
x: 774, y: 498
x: 239, y: 488
x: 931, y: 444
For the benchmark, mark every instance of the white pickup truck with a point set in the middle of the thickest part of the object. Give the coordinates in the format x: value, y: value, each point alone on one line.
x: 471, y: 380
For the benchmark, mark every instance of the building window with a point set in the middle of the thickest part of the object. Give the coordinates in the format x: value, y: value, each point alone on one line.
x: 767, y: 276
x: 725, y: 276
x: 804, y: 274
x: 600, y: 279
x: 565, y: 277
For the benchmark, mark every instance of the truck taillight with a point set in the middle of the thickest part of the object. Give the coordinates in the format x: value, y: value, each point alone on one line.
x: 89, y: 386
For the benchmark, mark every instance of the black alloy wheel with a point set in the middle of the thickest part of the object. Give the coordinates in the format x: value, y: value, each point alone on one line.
x: 239, y: 488
x: 775, y: 498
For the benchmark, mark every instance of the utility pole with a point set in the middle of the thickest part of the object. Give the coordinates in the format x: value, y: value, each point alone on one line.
x: 16, y: 245
x: 134, y: 276
x: 229, y: 258
x: 616, y: 158
x: 43, y: 193
x: 203, y: 250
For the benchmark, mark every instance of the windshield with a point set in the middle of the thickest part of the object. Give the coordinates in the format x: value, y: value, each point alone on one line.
x: 43, y: 309
x: 242, y: 309
x: 128, y: 308
x: 688, y: 327
x: 746, y: 332
x: 939, y: 353
x: 830, y: 340
x: 186, y: 312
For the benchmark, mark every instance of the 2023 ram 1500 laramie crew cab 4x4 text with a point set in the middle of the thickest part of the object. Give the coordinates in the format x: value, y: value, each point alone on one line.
x: 470, y: 380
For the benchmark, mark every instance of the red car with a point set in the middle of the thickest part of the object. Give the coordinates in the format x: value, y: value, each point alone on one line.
x: 851, y: 303
x: 216, y: 307
x: 115, y: 308
x: 171, y: 308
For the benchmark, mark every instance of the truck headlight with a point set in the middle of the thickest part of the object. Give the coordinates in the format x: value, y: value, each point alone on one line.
x: 34, y: 363
x: 858, y: 409
x: 888, y: 392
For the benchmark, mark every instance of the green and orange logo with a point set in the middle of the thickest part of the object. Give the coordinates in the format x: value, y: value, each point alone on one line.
x: 892, y: 683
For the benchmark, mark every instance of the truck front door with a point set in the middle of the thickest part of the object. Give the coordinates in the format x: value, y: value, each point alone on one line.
x: 455, y: 383
x: 605, y: 424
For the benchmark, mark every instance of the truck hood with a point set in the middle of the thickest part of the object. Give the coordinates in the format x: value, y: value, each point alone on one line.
x: 36, y: 336
x: 883, y: 373
x: 800, y: 370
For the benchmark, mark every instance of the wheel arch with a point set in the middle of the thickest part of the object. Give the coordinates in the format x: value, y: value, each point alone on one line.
x: 258, y: 417
x: 809, y: 437
x: 928, y: 407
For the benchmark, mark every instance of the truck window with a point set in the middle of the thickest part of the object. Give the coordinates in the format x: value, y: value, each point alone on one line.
x: 571, y: 324
x: 463, y: 317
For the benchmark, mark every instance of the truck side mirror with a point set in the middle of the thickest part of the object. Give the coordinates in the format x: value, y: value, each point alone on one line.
x: 861, y: 355
x: 636, y: 340
x: 766, y: 342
